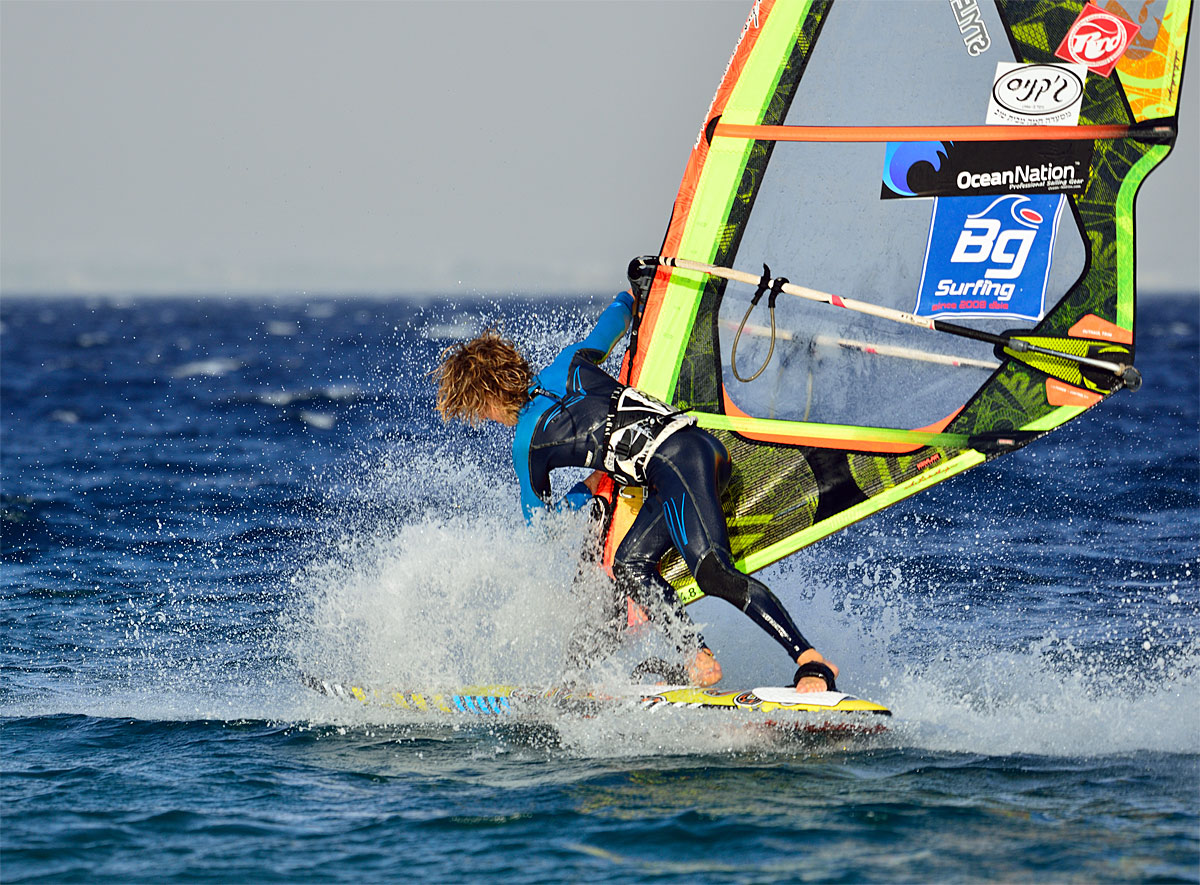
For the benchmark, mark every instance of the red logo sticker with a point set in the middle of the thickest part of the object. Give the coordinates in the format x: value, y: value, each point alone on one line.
x: 1097, y: 39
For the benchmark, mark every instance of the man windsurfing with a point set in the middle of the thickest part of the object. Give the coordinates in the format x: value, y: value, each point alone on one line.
x: 573, y: 414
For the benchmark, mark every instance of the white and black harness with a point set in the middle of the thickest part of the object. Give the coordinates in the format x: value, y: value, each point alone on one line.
x: 637, y: 424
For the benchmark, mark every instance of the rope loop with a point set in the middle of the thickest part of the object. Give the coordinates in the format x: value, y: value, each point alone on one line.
x: 766, y: 283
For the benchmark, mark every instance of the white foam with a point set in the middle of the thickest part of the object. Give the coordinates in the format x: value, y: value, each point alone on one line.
x: 460, y: 592
x: 464, y: 593
x: 1050, y: 697
x: 210, y: 368
x: 319, y: 420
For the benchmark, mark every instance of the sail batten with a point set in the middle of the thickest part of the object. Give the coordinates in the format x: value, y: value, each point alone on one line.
x: 848, y: 134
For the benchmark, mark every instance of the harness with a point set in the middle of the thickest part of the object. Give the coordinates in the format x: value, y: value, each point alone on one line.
x: 637, y: 424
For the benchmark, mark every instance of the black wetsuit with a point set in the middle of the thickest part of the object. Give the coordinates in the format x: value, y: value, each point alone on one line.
x: 564, y: 425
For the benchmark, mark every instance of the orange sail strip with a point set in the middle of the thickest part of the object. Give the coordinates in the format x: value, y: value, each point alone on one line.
x: 854, y: 444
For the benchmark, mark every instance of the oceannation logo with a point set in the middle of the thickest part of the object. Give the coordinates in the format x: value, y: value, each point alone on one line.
x: 980, y: 168
x: 1044, y: 178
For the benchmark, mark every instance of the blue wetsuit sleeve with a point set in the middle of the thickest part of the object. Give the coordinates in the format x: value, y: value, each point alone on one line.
x: 595, y: 348
x: 535, y: 486
x: 531, y: 502
x: 578, y: 498
x: 612, y: 324
x: 531, y: 499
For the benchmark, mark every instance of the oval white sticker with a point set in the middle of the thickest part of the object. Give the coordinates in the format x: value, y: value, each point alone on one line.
x: 1038, y: 89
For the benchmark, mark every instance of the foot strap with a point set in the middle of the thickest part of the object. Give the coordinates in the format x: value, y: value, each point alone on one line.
x: 815, y: 668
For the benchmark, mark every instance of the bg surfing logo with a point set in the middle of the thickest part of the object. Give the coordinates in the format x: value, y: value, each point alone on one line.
x: 989, y: 256
x: 986, y: 239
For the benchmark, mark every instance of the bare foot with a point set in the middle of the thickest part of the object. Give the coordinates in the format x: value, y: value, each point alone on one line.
x: 814, y: 683
x: 704, y: 669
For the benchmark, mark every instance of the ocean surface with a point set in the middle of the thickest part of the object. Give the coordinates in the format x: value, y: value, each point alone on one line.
x: 204, y: 497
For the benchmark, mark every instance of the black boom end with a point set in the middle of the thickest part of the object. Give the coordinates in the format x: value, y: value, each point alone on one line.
x: 1132, y: 378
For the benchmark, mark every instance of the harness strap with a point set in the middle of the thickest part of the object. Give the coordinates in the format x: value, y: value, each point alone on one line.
x: 628, y: 446
x: 541, y: 391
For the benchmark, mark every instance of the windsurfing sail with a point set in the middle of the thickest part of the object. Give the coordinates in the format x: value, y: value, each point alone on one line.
x: 903, y: 245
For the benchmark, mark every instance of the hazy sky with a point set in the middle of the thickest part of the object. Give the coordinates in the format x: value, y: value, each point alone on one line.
x: 213, y: 147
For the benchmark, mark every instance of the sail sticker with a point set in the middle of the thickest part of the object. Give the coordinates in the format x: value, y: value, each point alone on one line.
x: 977, y: 168
x: 970, y: 24
x: 989, y: 256
x: 1097, y: 39
x: 1043, y: 95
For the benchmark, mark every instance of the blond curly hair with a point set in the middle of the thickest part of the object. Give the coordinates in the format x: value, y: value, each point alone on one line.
x: 477, y: 374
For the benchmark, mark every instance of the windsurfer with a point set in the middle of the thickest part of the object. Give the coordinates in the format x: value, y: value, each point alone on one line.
x: 573, y: 414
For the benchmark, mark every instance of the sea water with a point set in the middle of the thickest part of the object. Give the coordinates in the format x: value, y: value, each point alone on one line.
x: 203, y: 498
